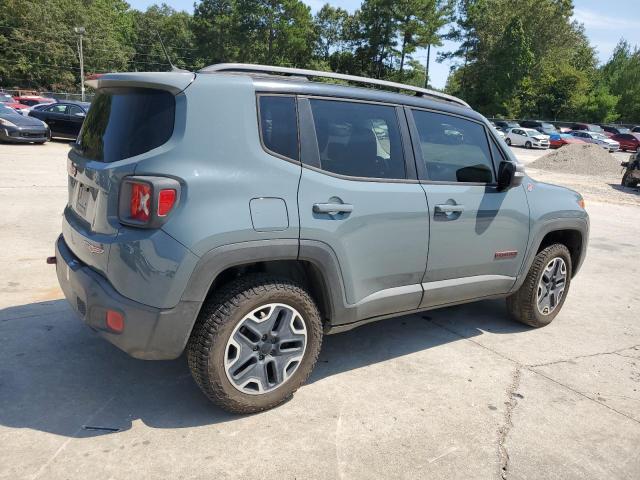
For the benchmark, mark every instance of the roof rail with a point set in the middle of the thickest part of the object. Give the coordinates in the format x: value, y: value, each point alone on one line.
x: 250, y: 68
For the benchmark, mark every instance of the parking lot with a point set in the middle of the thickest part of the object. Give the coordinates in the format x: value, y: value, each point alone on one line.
x: 461, y: 392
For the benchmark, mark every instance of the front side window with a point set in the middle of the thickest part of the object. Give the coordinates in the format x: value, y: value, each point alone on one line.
x: 453, y: 149
x: 279, y: 125
x: 62, y: 109
x: 358, y: 139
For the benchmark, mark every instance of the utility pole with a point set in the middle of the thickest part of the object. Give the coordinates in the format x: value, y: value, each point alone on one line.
x: 80, y: 31
x: 426, y: 69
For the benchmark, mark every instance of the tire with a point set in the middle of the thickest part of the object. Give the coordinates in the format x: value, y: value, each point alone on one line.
x: 628, y: 182
x: 508, y: 141
x: 224, y: 316
x: 527, y: 145
x: 523, y: 304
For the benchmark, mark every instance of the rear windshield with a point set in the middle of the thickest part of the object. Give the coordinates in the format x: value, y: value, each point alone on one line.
x: 123, y: 123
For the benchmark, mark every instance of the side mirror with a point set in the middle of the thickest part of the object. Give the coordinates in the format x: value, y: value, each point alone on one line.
x: 509, y: 175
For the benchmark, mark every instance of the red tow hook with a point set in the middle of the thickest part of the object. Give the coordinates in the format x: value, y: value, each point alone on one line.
x: 52, y: 260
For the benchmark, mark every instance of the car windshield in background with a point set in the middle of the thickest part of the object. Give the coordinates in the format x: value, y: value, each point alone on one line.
x: 624, y: 130
x: 123, y: 123
x: 595, y: 128
x: 531, y: 132
x: 4, y: 98
x: 4, y: 110
x: 599, y: 136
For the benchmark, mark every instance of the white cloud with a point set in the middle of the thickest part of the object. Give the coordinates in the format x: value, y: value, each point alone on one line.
x: 595, y: 20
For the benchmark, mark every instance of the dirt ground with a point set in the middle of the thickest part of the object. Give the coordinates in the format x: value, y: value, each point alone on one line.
x: 456, y: 393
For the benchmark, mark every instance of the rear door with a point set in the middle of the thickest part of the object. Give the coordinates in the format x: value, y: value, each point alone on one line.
x: 55, y: 116
x: 478, y: 234
x: 75, y: 116
x: 359, y: 196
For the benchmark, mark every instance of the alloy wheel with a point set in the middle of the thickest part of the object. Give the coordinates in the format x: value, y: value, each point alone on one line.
x: 265, y: 348
x: 551, y: 286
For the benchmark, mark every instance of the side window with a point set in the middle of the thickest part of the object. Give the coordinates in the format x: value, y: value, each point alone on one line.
x: 74, y: 110
x: 279, y: 125
x: 358, y: 139
x: 496, y: 153
x: 453, y: 149
x: 57, y: 109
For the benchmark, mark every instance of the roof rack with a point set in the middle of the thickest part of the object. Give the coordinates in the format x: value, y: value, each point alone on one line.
x: 250, y: 68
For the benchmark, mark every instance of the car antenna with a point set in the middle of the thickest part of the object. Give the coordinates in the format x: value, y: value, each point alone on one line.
x: 166, y: 54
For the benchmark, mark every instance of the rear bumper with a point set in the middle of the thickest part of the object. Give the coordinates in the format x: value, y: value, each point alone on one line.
x: 149, y: 333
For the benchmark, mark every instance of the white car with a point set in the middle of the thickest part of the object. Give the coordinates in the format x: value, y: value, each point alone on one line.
x: 499, y: 132
x: 527, y: 137
x: 597, y: 138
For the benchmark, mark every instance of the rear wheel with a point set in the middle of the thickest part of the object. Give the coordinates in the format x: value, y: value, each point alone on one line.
x: 255, y: 343
x: 628, y: 181
x: 545, y: 288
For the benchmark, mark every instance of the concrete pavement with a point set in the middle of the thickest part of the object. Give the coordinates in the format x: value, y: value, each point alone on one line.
x: 461, y: 392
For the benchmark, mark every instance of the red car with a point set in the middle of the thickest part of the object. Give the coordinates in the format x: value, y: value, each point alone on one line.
x: 628, y: 141
x: 31, y: 100
x: 11, y: 102
x: 557, y: 140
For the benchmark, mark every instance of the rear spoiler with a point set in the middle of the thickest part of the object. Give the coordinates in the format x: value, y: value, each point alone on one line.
x: 174, y: 82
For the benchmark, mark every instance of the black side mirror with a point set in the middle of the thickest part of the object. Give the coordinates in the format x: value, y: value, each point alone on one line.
x: 509, y: 175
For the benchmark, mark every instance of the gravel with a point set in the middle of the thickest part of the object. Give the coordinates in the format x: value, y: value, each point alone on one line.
x: 587, y: 159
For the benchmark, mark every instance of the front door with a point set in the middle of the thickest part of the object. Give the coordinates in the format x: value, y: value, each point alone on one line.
x: 357, y: 197
x: 478, y: 235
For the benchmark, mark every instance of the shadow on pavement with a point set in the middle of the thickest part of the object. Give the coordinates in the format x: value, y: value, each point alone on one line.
x: 57, y: 376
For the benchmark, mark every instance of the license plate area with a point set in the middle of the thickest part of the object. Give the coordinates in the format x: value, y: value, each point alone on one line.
x: 82, y: 198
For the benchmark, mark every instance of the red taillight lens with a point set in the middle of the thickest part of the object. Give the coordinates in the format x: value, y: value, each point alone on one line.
x: 115, y: 321
x: 140, y: 201
x: 166, y: 200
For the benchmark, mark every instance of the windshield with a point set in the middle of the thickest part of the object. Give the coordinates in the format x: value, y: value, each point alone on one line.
x: 530, y: 132
x: 4, y: 98
x: 624, y: 130
x: 599, y: 136
x: 4, y: 110
x: 123, y: 123
x: 595, y: 128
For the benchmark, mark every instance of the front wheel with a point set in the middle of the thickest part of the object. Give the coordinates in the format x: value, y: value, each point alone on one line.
x: 255, y: 343
x: 628, y: 181
x: 508, y: 141
x: 545, y: 288
x: 527, y: 145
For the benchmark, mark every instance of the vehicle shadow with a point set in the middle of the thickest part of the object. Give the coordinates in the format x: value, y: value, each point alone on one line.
x: 57, y: 376
x: 620, y: 188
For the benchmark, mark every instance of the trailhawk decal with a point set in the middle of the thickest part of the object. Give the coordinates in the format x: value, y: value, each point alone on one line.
x: 506, y: 254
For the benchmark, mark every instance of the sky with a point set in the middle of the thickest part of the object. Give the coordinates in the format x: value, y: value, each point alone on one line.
x: 604, y: 22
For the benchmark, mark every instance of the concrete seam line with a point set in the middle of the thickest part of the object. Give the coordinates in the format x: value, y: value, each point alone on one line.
x: 568, y: 360
x: 503, y: 431
x: 526, y: 367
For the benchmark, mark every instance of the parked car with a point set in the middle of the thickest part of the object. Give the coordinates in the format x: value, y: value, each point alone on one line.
x: 64, y: 118
x: 598, y: 139
x: 631, y: 175
x: 31, y: 100
x: 303, y: 212
x: 527, y: 137
x: 636, y: 129
x: 542, y: 127
x: 627, y: 141
x: 16, y: 128
x: 615, y: 129
x: 8, y: 101
x: 588, y: 127
x: 500, y: 132
x: 557, y: 140
x: 505, y: 125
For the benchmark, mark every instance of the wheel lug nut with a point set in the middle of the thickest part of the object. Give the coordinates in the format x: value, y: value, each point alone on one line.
x: 255, y: 349
x: 264, y: 337
x: 261, y: 357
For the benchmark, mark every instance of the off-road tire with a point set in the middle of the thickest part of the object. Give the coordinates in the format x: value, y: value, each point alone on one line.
x: 627, y: 182
x: 522, y: 304
x: 215, y: 324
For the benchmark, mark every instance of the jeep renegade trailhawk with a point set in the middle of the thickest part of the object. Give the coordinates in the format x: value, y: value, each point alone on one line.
x: 243, y: 211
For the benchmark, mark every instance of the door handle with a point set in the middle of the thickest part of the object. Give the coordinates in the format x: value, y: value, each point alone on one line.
x: 332, y: 208
x: 447, y: 209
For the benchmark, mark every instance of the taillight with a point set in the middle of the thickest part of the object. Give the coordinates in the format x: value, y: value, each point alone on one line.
x: 140, y: 201
x: 166, y: 200
x: 147, y: 201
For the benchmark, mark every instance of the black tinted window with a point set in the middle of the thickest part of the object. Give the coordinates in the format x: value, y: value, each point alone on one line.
x: 358, y: 139
x: 279, y: 125
x: 126, y: 122
x: 453, y: 149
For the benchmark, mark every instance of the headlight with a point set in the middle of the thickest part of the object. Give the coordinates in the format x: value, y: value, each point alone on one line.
x: 6, y: 123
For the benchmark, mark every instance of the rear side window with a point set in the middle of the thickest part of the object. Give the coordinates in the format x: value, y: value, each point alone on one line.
x: 279, y: 125
x: 453, y: 149
x: 358, y: 139
x: 123, y: 123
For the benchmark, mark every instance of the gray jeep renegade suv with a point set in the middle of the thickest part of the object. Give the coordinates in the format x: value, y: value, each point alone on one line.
x: 241, y: 212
